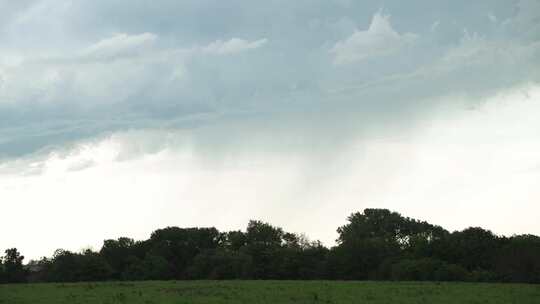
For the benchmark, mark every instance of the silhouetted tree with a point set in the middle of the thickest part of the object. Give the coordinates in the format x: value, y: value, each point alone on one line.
x: 67, y: 266
x: 263, y: 244
x: 519, y: 259
x: 2, y: 271
x: 219, y: 264
x: 135, y: 269
x: 473, y: 248
x: 116, y: 252
x: 234, y: 240
x: 93, y: 267
x: 178, y: 246
x: 366, y: 241
x: 375, y: 244
x: 426, y: 269
x: 13, y: 266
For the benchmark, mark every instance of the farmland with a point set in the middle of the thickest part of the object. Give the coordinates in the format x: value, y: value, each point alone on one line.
x: 253, y: 292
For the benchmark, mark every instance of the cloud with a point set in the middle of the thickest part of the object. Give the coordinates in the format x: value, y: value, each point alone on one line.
x: 379, y: 39
x: 103, y: 97
x: 455, y: 162
x: 492, y: 17
x: 434, y: 26
x: 119, y: 46
x: 81, y: 165
x: 232, y: 46
x: 458, y: 69
x: 113, y: 70
x: 153, y: 74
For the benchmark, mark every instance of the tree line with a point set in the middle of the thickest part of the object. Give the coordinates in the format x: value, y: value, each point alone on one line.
x: 376, y: 244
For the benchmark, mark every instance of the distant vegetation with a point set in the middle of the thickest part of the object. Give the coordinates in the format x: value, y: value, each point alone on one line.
x: 374, y: 245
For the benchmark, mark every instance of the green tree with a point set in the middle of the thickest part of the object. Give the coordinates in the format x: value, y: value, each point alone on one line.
x: 234, y: 240
x: 135, y: 270
x: 264, y: 242
x: 366, y: 241
x: 221, y: 264
x: 116, y: 252
x: 93, y: 267
x: 178, y: 246
x: 13, y: 266
x: 2, y: 272
x: 518, y: 260
x: 473, y: 248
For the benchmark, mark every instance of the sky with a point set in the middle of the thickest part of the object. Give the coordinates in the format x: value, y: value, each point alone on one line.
x: 121, y: 117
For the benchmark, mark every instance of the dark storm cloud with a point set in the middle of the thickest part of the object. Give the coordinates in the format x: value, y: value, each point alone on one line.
x: 74, y: 69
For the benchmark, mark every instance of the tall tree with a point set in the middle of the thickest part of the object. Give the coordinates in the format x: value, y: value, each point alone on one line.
x: 519, y: 259
x: 178, y: 246
x: 13, y: 266
x: 2, y: 272
x: 263, y: 244
x: 116, y: 252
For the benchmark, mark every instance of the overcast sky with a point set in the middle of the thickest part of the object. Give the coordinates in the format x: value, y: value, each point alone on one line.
x: 121, y: 117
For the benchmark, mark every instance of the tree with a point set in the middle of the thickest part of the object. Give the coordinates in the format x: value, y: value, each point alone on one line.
x: 473, y: 248
x: 263, y: 244
x: 66, y: 266
x: 426, y: 269
x: 374, y: 244
x: 135, y: 270
x: 221, y: 264
x: 263, y: 234
x: 13, y: 267
x: 2, y: 272
x: 234, y: 240
x: 366, y: 241
x: 93, y: 267
x: 519, y: 259
x: 178, y: 246
x: 152, y: 267
x: 390, y: 227
x: 301, y: 259
x: 116, y: 252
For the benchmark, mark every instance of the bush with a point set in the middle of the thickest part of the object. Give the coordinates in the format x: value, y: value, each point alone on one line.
x: 426, y: 269
x: 220, y: 264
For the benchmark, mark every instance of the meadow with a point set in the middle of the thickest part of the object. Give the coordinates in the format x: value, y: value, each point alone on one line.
x: 254, y: 292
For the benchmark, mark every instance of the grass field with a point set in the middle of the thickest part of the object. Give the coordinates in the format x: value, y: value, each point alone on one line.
x: 254, y: 292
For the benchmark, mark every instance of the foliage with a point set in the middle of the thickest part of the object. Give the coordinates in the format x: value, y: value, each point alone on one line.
x: 12, y: 267
x: 376, y: 244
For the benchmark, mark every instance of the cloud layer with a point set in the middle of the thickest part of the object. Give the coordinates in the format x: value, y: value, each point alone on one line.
x: 101, y: 67
x: 378, y: 40
x: 220, y: 112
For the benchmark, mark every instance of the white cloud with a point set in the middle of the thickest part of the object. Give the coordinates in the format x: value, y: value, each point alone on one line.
x: 264, y: 142
x: 133, y: 62
x: 119, y: 45
x: 171, y: 181
x: 458, y: 162
x: 460, y: 68
x: 475, y: 50
x: 232, y: 46
x: 378, y: 40
x: 434, y: 26
x: 80, y: 77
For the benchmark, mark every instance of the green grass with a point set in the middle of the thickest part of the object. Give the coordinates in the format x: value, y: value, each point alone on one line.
x: 254, y: 292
